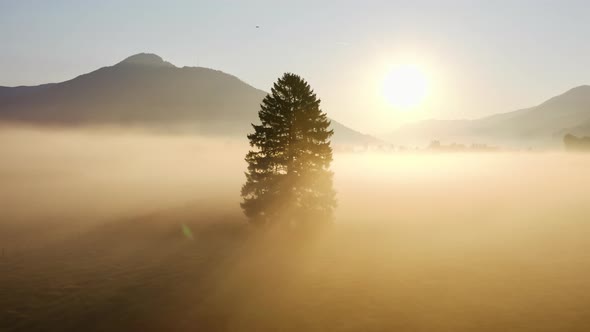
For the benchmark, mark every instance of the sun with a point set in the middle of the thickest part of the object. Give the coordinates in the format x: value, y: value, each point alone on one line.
x: 405, y: 87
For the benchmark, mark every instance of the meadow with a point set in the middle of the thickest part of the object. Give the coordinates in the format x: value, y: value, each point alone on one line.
x: 114, y: 230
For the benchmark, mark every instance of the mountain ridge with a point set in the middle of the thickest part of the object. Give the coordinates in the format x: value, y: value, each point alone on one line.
x: 539, y: 126
x: 145, y: 90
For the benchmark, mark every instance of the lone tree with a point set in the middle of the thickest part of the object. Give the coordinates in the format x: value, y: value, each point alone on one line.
x: 288, y: 178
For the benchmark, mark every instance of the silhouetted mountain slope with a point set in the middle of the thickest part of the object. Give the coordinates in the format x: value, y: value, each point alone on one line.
x: 540, y: 126
x: 144, y: 90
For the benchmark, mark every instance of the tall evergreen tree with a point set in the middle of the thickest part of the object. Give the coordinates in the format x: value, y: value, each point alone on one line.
x: 289, y: 178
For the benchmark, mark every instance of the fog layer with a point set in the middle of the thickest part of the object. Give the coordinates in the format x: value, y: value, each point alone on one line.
x: 145, y: 231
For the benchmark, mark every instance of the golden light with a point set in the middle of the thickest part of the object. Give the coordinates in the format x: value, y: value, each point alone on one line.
x: 405, y: 87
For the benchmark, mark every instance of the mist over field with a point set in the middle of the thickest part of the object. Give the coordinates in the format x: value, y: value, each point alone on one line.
x: 94, y: 175
x: 147, y: 230
x: 97, y: 174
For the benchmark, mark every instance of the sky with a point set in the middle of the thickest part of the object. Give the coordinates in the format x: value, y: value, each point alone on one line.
x: 479, y: 57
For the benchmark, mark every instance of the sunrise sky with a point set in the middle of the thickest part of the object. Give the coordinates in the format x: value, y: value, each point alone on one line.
x: 473, y: 57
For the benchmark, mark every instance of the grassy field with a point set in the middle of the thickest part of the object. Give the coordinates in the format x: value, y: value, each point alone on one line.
x: 92, y: 239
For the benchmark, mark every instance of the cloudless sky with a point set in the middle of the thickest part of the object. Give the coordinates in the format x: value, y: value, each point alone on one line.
x: 481, y: 57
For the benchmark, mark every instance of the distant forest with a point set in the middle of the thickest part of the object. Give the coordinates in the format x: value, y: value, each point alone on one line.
x: 574, y: 143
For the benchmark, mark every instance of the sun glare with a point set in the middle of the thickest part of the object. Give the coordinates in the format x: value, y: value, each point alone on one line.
x: 405, y: 87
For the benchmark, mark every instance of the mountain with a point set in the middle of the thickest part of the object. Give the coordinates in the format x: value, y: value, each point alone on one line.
x: 146, y: 91
x: 541, y: 126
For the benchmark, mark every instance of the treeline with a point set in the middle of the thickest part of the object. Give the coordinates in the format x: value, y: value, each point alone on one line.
x: 455, y: 147
x: 434, y: 146
x: 574, y: 143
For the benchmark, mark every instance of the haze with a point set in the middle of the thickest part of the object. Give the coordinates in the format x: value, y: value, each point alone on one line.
x: 420, y: 243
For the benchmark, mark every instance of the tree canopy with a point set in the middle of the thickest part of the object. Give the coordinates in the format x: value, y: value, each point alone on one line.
x: 574, y: 143
x: 288, y: 178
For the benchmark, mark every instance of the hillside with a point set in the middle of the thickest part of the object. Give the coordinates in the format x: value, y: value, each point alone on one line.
x: 146, y: 91
x: 540, y: 126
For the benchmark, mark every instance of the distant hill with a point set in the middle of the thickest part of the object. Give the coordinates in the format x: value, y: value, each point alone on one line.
x: 146, y: 91
x: 541, y: 126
